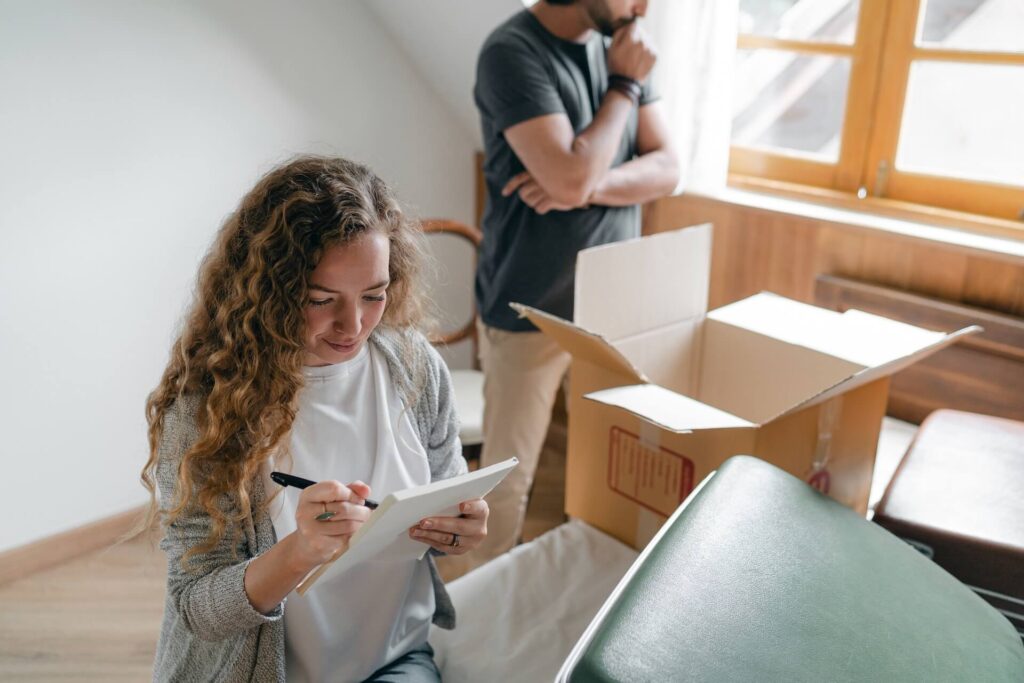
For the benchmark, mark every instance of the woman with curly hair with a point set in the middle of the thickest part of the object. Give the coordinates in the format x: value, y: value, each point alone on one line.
x: 301, y: 352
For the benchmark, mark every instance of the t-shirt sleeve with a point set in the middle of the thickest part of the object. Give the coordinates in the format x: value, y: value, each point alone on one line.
x: 648, y: 93
x: 512, y: 85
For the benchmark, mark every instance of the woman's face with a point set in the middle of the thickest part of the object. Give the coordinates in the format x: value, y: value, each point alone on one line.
x: 347, y: 296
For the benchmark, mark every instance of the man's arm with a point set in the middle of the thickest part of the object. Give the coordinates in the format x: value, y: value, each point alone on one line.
x: 567, y: 167
x: 653, y: 174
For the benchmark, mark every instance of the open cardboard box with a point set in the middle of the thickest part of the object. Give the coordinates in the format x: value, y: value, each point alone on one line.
x: 661, y: 391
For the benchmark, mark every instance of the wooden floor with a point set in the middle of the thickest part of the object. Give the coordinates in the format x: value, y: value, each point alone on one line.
x: 97, y: 618
x: 94, y: 619
x: 546, y: 509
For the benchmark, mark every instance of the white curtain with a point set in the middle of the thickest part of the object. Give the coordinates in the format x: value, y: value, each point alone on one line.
x: 696, y: 43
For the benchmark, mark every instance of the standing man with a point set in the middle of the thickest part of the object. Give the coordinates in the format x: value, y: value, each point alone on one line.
x: 574, y: 143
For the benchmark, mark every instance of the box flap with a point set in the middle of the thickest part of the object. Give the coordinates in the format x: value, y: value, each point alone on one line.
x: 669, y: 356
x: 758, y: 376
x: 855, y: 336
x: 581, y: 343
x: 667, y: 409
x: 631, y: 287
x: 871, y: 374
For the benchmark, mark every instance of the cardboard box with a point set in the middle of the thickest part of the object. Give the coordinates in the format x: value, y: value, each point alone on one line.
x: 661, y: 392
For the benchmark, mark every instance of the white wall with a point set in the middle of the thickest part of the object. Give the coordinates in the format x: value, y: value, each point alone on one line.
x: 128, y: 131
x: 443, y: 38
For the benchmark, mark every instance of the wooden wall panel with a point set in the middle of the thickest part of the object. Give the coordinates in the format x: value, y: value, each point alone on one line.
x: 984, y: 373
x: 995, y: 285
x: 992, y: 387
x: 885, y: 263
x: 842, y: 251
x: 940, y: 272
x: 756, y: 249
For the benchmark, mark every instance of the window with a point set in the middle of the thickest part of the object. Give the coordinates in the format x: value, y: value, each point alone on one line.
x: 920, y: 101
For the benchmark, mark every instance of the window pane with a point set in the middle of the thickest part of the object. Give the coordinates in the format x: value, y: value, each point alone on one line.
x: 834, y: 21
x: 789, y: 101
x: 996, y: 25
x: 964, y: 120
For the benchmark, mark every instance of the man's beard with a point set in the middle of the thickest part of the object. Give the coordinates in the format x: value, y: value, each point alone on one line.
x: 598, y: 12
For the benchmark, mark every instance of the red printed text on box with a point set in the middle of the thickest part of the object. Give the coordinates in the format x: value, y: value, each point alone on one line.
x: 656, y: 478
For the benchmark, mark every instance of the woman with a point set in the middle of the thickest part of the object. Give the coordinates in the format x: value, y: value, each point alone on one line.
x: 300, y: 354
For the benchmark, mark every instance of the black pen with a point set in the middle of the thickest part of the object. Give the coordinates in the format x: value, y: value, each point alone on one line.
x: 300, y: 483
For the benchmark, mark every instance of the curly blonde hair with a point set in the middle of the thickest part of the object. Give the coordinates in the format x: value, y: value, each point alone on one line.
x: 242, y: 348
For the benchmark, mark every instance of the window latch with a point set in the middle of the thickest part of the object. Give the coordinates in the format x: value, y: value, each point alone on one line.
x: 881, y: 178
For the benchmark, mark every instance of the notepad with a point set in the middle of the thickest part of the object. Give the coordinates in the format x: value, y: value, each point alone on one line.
x: 386, y: 533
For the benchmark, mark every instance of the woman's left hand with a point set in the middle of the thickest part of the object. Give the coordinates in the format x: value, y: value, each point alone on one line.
x: 455, y: 535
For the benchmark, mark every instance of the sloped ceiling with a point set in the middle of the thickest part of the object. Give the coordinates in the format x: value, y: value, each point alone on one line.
x: 442, y: 39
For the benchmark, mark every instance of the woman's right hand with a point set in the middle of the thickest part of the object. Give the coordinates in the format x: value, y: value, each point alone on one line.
x: 317, y: 540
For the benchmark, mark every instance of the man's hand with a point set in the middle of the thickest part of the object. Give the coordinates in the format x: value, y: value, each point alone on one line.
x: 533, y: 194
x: 631, y: 53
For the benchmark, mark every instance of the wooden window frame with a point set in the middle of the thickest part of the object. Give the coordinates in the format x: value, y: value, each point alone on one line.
x: 881, y: 56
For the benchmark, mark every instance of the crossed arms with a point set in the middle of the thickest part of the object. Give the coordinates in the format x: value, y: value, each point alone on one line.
x: 566, y: 171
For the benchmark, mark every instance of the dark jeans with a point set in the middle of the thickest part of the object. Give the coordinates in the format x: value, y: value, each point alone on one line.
x: 415, y: 666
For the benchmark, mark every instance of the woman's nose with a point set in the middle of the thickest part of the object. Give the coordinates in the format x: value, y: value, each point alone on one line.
x: 347, y: 323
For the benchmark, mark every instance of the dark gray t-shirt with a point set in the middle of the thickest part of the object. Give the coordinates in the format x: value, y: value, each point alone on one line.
x: 524, y: 72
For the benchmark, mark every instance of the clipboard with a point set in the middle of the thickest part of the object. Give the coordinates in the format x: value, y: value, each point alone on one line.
x: 386, y: 531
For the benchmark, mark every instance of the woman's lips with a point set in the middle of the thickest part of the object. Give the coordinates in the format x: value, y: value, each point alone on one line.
x: 342, y: 347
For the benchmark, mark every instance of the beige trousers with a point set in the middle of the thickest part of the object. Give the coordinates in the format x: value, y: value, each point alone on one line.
x: 522, y: 373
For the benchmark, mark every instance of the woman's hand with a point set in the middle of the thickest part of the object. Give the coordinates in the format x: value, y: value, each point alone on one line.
x: 274, y: 574
x: 455, y: 535
x: 319, y: 538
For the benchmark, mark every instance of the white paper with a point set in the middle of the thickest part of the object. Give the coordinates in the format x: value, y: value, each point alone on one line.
x: 384, y: 536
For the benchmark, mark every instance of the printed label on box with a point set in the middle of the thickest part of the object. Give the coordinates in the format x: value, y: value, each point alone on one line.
x: 658, y: 479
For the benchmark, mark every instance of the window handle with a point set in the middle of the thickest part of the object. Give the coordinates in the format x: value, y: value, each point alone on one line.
x: 881, y: 178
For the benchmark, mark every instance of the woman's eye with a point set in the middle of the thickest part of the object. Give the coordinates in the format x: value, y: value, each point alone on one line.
x: 319, y: 302
x: 374, y: 298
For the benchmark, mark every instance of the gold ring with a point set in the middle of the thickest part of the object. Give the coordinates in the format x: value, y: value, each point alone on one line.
x: 455, y: 541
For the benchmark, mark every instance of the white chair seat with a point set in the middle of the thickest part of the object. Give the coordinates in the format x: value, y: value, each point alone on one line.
x: 536, y: 602
x: 469, y: 402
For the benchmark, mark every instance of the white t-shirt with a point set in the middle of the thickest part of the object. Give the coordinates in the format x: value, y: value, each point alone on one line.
x: 351, y: 424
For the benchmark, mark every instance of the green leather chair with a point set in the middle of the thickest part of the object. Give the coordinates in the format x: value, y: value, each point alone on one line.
x: 758, y: 577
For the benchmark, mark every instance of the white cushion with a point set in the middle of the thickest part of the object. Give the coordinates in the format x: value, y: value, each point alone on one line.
x: 520, y: 615
x: 469, y: 403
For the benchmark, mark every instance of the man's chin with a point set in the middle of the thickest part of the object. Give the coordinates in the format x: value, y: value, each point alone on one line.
x: 609, y: 28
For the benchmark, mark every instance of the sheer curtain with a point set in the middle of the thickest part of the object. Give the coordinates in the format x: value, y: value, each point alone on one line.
x: 696, y: 43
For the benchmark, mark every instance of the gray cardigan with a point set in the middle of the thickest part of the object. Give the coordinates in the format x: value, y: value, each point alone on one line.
x: 210, y: 632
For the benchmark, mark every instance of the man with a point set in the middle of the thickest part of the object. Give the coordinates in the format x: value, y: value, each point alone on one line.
x: 574, y: 142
